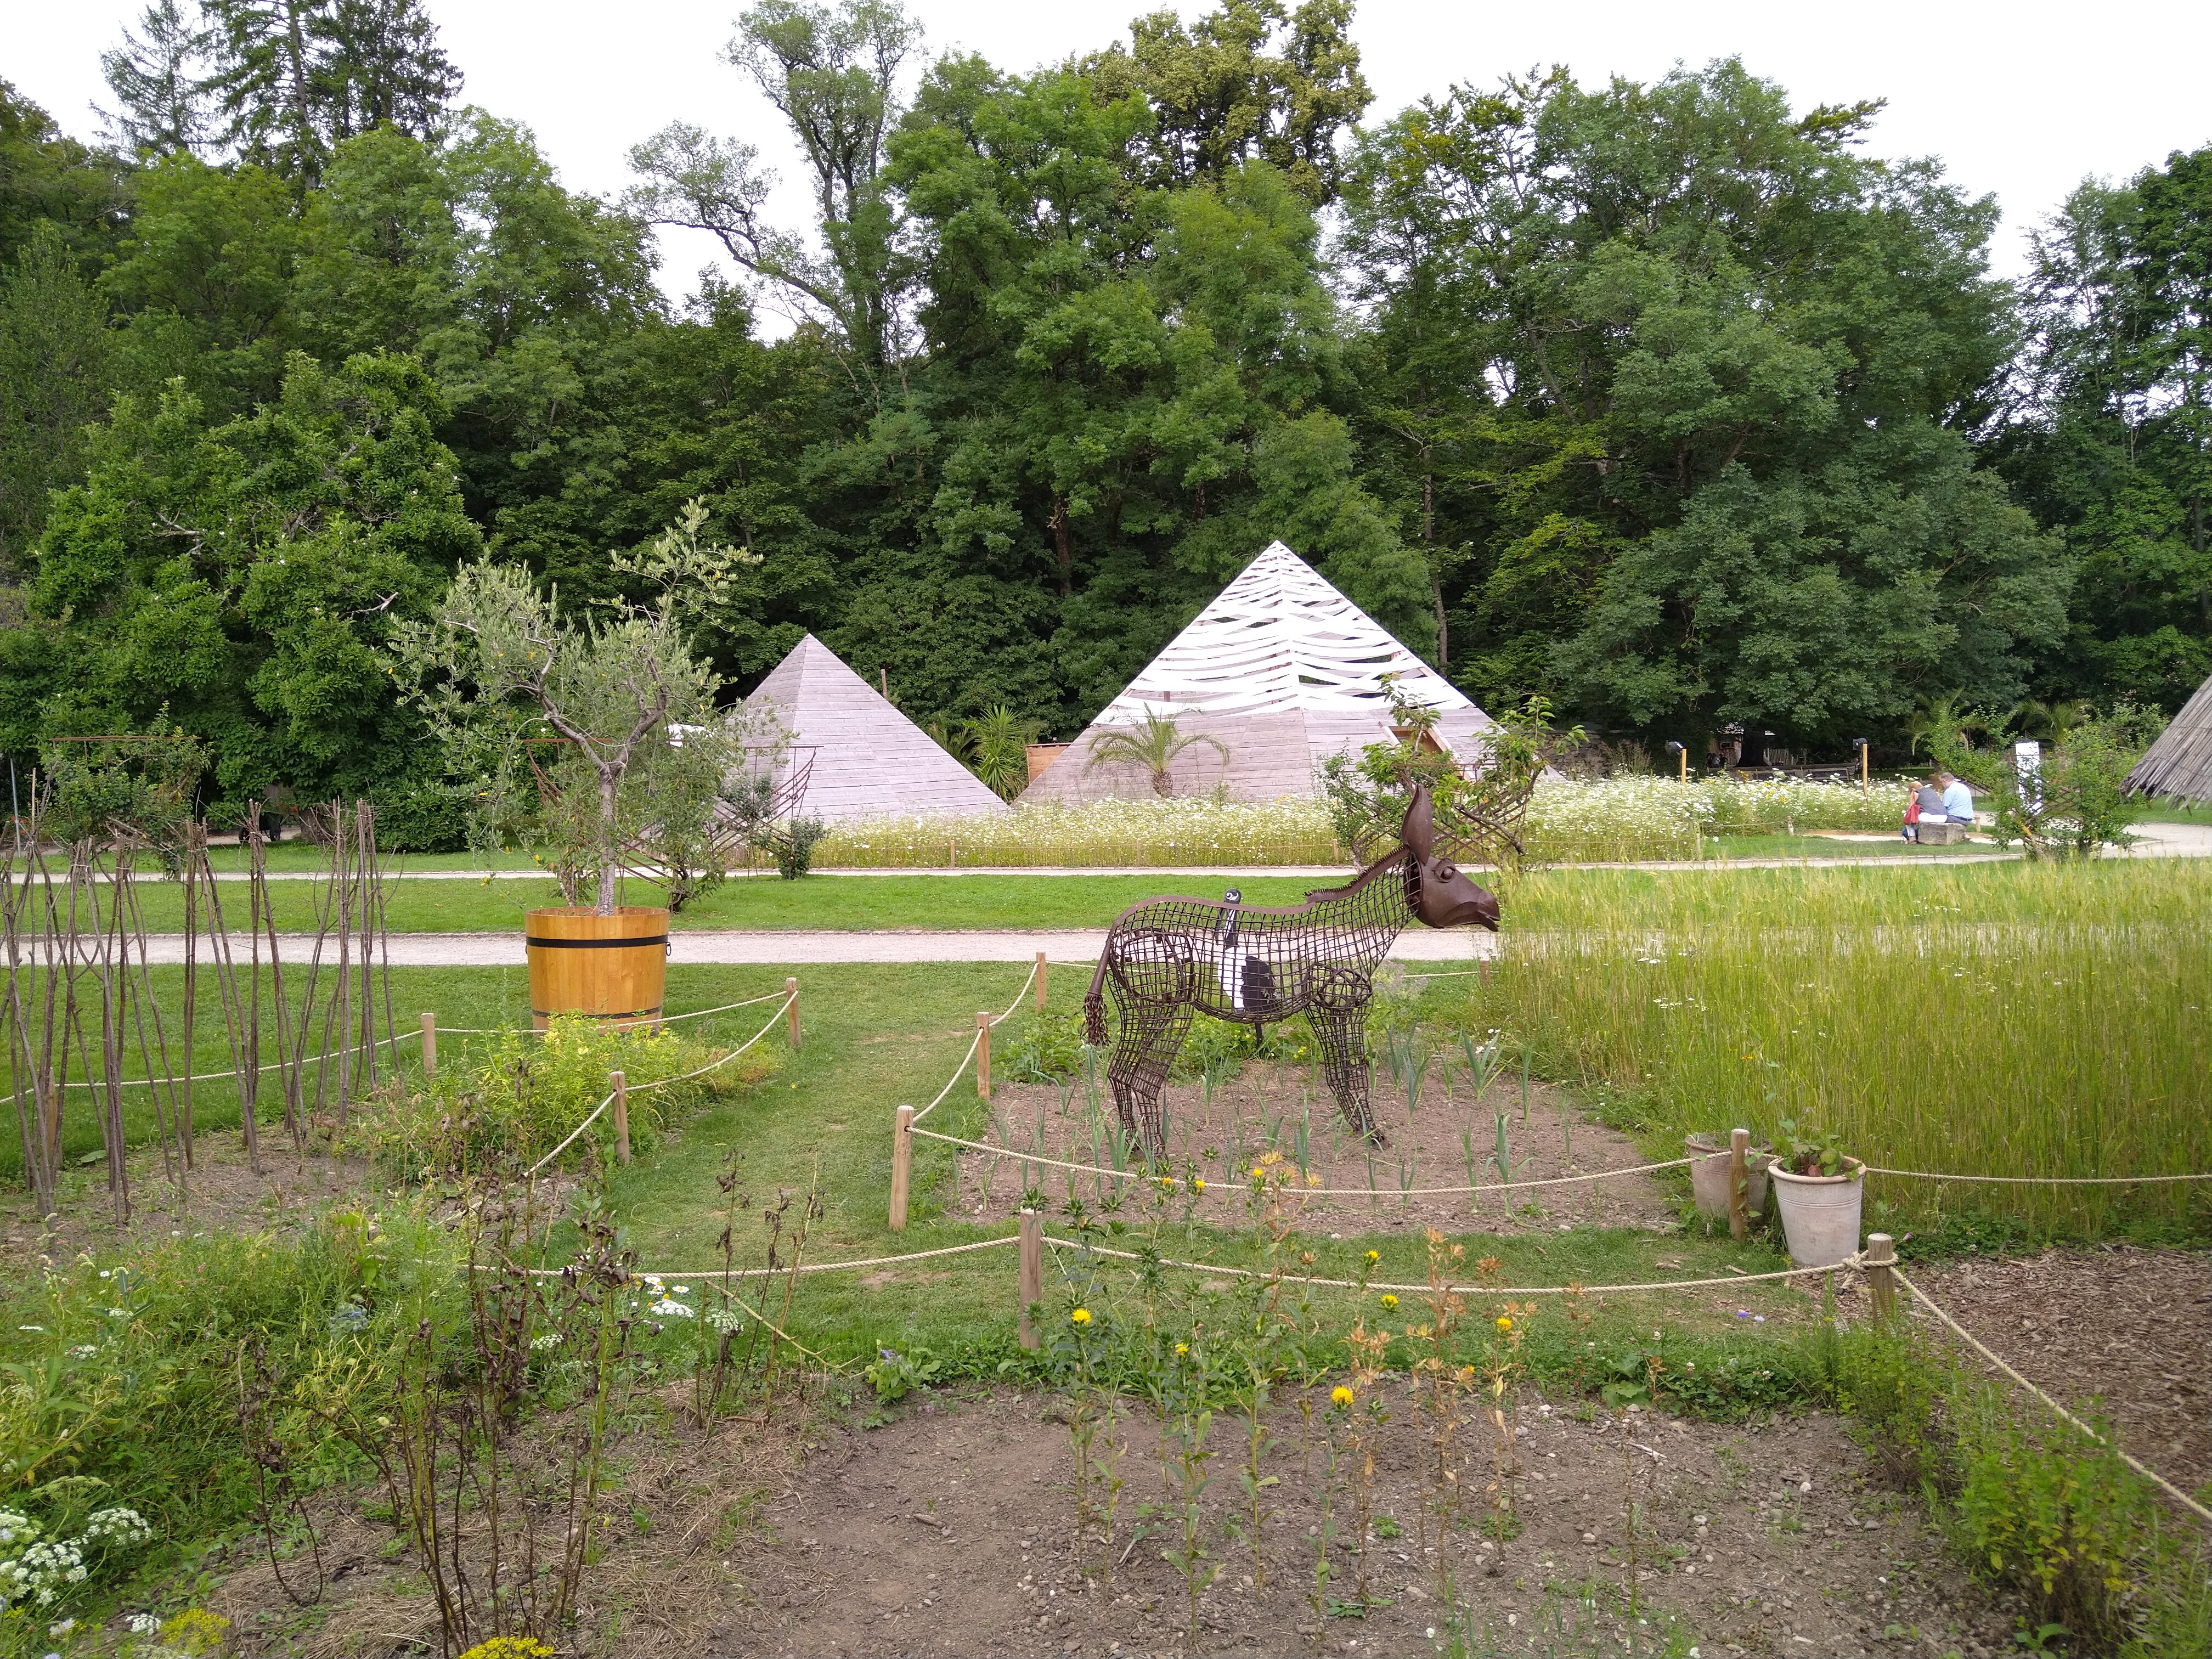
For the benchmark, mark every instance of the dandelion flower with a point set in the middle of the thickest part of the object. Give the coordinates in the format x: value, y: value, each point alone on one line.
x: 1080, y: 1316
x: 1183, y: 1347
x: 1390, y: 1301
x: 1198, y: 1184
x: 1340, y: 1396
x: 1373, y: 1257
x: 1504, y: 1323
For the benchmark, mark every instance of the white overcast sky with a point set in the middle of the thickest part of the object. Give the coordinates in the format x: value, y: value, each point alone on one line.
x: 2023, y: 100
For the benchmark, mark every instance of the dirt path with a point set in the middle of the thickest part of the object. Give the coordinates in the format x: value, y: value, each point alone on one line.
x: 1222, y: 1133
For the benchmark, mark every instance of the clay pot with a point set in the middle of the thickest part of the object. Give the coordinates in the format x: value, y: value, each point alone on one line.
x: 1820, y: 1213
x: 1709, y: 1176
x: 613, y: 968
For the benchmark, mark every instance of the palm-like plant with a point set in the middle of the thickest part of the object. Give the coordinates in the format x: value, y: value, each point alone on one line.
x: 997, y: 749
x: 1154, y: 746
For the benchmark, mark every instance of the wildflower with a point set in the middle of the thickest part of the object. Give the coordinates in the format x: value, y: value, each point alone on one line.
x: 143, y: 1624
x: 1340, y: 1396
x: 1390, y: 1301
x: 1504, y: 1323
x: 1373, y: 1257
x: 669, y: 1308
x: 549, y: 1339
x: 84, y: 1351
x: 1080, y: 1316
x: 1198, y: 1184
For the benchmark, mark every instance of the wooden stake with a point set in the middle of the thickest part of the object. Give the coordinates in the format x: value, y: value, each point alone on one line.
x: 902, y: 1166
x: 1738, y: 1183
x: 622, y: 1117
x: 430, y: 1043
x: 1032, y: 1273
x: 983, y: 1053
x: 1040, y: 978
x: 1879, y: 1254
x: 791, y: 1012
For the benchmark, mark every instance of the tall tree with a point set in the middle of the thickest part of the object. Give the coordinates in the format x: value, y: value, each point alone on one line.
x: 1250, y: 81
x: 2112, y: 441
x: 53, y: 384
x: 1591, y: 307
x: 159, y: 75
x: 833, y: 73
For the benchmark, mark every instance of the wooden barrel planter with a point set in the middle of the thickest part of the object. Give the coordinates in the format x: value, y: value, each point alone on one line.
x: 611, y: 968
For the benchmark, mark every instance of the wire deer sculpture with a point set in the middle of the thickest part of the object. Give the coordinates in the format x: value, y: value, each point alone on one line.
x: 1168, y: 958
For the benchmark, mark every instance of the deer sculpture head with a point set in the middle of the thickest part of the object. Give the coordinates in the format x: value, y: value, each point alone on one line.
x: 1437, y: 889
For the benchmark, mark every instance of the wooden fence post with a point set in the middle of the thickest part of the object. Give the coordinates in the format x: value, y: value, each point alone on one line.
x: 1032, y: 1273
x: 791, y: 1011
x: 902, y: 1166
x: 1738, y: 1183
x: 1040, y: 978
x: 622, y: 1117
x: 429, y: 1044
x: 983, y: 1053
x: 1881, y: 1252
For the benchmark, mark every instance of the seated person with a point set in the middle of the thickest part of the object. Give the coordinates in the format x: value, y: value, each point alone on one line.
x: 1929, y: 795
x: 1958, y: 800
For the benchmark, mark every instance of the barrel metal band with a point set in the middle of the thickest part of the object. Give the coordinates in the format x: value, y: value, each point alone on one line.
x: 533, y: 941
x: 634, y: 1013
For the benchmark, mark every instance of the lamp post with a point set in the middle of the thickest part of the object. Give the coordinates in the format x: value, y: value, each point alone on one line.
x: 1682, y: 755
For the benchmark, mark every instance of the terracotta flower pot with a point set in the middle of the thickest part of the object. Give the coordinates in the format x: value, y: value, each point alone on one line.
x: 1820, y: 1213
x: 611, y: 968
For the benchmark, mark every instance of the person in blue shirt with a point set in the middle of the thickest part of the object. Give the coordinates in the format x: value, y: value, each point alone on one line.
x: 1958, y: 800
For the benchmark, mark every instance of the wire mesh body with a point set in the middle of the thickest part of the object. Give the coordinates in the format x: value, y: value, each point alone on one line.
x: 1169, y: 959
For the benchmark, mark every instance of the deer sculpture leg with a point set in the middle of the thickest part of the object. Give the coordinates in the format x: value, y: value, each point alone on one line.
x: 1338, y: 1014
x: 1144, y: 1050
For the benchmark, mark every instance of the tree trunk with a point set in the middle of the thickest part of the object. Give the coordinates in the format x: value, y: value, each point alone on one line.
x: 607, y: 782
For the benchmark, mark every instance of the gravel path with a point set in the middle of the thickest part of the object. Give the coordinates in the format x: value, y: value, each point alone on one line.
x: 1074, y: 945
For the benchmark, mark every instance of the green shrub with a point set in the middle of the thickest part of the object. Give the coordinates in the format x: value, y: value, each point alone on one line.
x: 518, y: 1095
x: 422, y: 818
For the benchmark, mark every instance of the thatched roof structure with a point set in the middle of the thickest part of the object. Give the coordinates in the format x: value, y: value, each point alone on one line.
x: 2180, y: 764
x: 1283, y: 670
x: 867, y: 758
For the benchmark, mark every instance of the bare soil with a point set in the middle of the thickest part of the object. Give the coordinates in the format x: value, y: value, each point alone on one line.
x: 951, y: 1530
x: 1219, y: 1134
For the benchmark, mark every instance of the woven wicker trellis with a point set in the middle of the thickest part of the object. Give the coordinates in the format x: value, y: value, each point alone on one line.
x: 1169, y: 958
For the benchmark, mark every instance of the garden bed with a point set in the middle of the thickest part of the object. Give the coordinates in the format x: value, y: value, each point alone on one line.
x: 1220, y: 1133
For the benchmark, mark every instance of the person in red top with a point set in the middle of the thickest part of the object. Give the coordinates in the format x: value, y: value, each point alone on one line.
x: 1912, y: 815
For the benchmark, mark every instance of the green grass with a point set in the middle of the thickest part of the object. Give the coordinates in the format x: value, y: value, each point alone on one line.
x: 2009, y: 1019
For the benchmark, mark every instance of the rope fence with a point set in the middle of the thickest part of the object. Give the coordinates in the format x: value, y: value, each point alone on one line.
x: 1964, y: 1335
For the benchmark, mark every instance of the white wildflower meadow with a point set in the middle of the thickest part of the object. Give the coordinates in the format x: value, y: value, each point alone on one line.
x: 1636, y: 817
x: 36, y: 1570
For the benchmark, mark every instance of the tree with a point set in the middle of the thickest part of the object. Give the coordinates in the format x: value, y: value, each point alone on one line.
x: 241, y: 579
x: 1152, y: 747
x: 160, y: 77
x: 2111, y: 436
x: 53, y: 384
x: 294, y: 79
x: 49, y: 179
x: 1221, y: 97
x: 833, y: 74
x: 499, y: 665
x: 1593, y: 308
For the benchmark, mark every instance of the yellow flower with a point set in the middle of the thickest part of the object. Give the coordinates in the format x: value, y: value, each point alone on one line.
x: 1258, y: 1174
x: 1198, y: 1184
x: 1390, y: 1301
x: 1080, y: 1316
x: 1340, y: 1396
x: 1504, y: 1323
x: 1373, y: 1257
x: 1183, y: 1347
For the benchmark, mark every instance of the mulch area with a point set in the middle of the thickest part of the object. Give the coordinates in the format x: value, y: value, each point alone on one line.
x: 2115, y: 1330
x: 1450, y: 1139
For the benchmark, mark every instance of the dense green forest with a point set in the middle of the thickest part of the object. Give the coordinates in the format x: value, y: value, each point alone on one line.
x: 1667, y: 402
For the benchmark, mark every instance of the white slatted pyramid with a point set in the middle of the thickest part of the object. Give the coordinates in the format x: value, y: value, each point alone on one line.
x: 869, y: 759
x: 1283, y: 670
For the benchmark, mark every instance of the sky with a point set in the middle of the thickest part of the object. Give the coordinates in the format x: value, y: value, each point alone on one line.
x: 2021, y: 99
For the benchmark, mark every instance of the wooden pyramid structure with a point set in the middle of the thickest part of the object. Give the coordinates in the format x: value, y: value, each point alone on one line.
x: 2180, y: 764
x: 1283, y: 672
x: 867, y: 758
